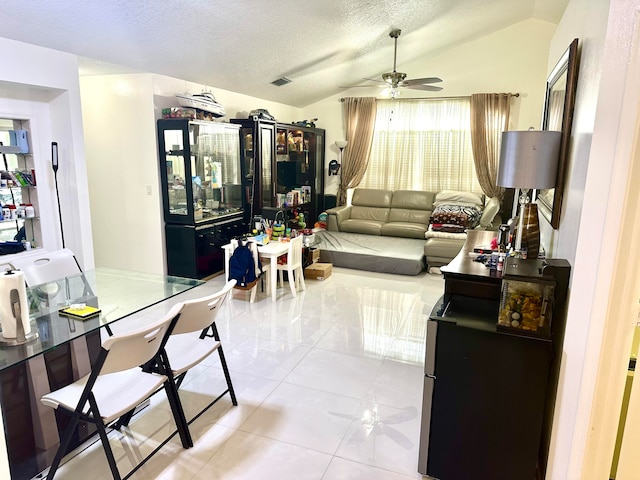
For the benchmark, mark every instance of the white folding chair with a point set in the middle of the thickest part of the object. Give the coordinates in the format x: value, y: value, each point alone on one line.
x: 116, y: 385
x: 193, y: 338
x: 48, y: 266
x: 293, y: 266
x: 50, y: 272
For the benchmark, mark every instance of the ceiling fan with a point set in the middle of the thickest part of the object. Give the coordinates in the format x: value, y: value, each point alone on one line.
x: 394, y: 81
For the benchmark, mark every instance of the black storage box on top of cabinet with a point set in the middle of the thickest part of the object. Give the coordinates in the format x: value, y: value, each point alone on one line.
x: 202, y: 193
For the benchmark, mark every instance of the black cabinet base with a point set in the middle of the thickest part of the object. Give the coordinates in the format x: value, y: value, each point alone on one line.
x: 196, y: 252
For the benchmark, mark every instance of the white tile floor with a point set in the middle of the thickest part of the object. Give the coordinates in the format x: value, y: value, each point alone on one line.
x: 329, y: 387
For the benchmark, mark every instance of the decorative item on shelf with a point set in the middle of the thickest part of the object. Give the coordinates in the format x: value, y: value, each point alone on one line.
x: 528, y: 160
x: 204, y: 101
x: 306, y: 123
x: 278, y: 228
x: 341, y: 144
x: 261, y: 113
x: 526, y: 306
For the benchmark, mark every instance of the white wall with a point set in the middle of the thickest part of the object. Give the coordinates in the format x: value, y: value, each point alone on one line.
x: 120, y: 113
x: 513, y: 59
x: 41, y: 85
x: 122, y: 159
x: 591, y: 214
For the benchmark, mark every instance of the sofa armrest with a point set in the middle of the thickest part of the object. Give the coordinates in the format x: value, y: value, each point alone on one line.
x: 337, y: 215
x: 494, y: 225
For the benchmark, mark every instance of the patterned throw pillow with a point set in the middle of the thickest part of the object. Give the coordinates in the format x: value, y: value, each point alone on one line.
x: 464, y: 216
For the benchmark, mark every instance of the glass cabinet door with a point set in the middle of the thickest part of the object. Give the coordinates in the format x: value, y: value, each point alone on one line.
x: 202, y: 170
x: 248, y: 157
x: 176, y: 169
x: 216, y: 176
x: 266, y: 147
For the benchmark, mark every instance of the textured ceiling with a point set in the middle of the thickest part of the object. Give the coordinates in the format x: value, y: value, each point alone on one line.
x: 243, y: 46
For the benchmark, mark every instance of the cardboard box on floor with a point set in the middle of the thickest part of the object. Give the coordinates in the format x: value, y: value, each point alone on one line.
x: 313, y: 255
x: 318, y: 271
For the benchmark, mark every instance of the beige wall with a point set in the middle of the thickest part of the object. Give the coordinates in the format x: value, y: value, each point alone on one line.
x: 604, y: 129
x: 41, y: 85
x: 119, y: 117
x: 513, y: 59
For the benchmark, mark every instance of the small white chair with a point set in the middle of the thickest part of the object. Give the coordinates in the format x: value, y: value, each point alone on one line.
x: 293, y: 266
x: 116, y: 385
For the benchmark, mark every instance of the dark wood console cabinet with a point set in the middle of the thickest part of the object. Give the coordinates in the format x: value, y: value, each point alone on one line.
x: 488, y: 395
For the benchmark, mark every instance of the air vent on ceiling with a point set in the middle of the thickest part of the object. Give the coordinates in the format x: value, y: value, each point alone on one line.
x: 281, y: 81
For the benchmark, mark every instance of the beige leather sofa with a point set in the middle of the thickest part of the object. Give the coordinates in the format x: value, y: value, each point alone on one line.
x: 400, y: 213
x: 403, y: 213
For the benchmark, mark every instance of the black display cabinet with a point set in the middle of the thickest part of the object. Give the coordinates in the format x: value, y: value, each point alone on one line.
x: 285, y: 168
x: 258, y: 151
x: 203, y: 196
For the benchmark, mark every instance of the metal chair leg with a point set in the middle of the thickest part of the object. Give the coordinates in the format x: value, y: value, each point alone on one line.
x: 64, y: 443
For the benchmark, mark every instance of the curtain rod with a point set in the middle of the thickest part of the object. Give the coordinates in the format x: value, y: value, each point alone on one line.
x: 436, y: 98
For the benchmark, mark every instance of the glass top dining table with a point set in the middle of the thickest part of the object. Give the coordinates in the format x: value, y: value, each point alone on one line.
x: 117, y: 293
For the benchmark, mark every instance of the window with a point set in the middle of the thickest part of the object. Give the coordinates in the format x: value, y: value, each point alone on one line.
x: 422, y: 145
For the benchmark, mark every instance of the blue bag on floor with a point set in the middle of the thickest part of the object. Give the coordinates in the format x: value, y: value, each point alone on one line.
x: 242, y: 266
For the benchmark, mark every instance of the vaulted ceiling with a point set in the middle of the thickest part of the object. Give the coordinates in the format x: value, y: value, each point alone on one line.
x: 242, y: 46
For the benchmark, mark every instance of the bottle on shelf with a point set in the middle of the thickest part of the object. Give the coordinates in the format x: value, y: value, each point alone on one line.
x: 29, y: 211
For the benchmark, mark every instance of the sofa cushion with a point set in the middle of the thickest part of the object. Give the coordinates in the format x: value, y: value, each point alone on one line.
x: 451, y: 214
x: 370, y: 197
x: 455, y: 197
x: 440, y: 251
x: 411, y: 206
x: 369, y: 213
x: 404, y: 229
x: 412, y: 200
x: 369, y: 227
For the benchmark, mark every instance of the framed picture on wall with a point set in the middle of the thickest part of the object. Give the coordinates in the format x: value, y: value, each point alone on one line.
x: 558, y: 116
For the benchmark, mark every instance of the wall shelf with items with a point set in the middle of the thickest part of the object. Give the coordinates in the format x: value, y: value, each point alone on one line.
x: 18, y: 194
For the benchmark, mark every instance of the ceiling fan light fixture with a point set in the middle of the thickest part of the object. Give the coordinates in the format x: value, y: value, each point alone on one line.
x: 390, y: 92
x: 395, y: 81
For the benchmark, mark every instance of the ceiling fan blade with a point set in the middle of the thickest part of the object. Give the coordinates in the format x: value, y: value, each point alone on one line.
x: 422, y: 81
x: 358, y: 86
x: 429, y: 88
x: 375, y: 80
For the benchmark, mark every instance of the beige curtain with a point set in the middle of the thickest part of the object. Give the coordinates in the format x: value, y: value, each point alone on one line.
x: 360, y: 118
x: 489, y: 118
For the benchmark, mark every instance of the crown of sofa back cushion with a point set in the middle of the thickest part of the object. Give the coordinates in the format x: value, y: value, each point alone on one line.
x: 371, y: 197
x: 369, y: 213
x: 412, y: 206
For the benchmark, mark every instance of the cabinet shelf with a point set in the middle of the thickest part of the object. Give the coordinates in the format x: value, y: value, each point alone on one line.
x: 11, y: 220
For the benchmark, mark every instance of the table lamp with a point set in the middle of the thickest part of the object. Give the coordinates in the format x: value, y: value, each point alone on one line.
x: 528, y: 159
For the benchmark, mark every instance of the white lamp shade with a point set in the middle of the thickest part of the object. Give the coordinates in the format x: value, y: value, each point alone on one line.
x: 341, y: 144
x: 529, y: 159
